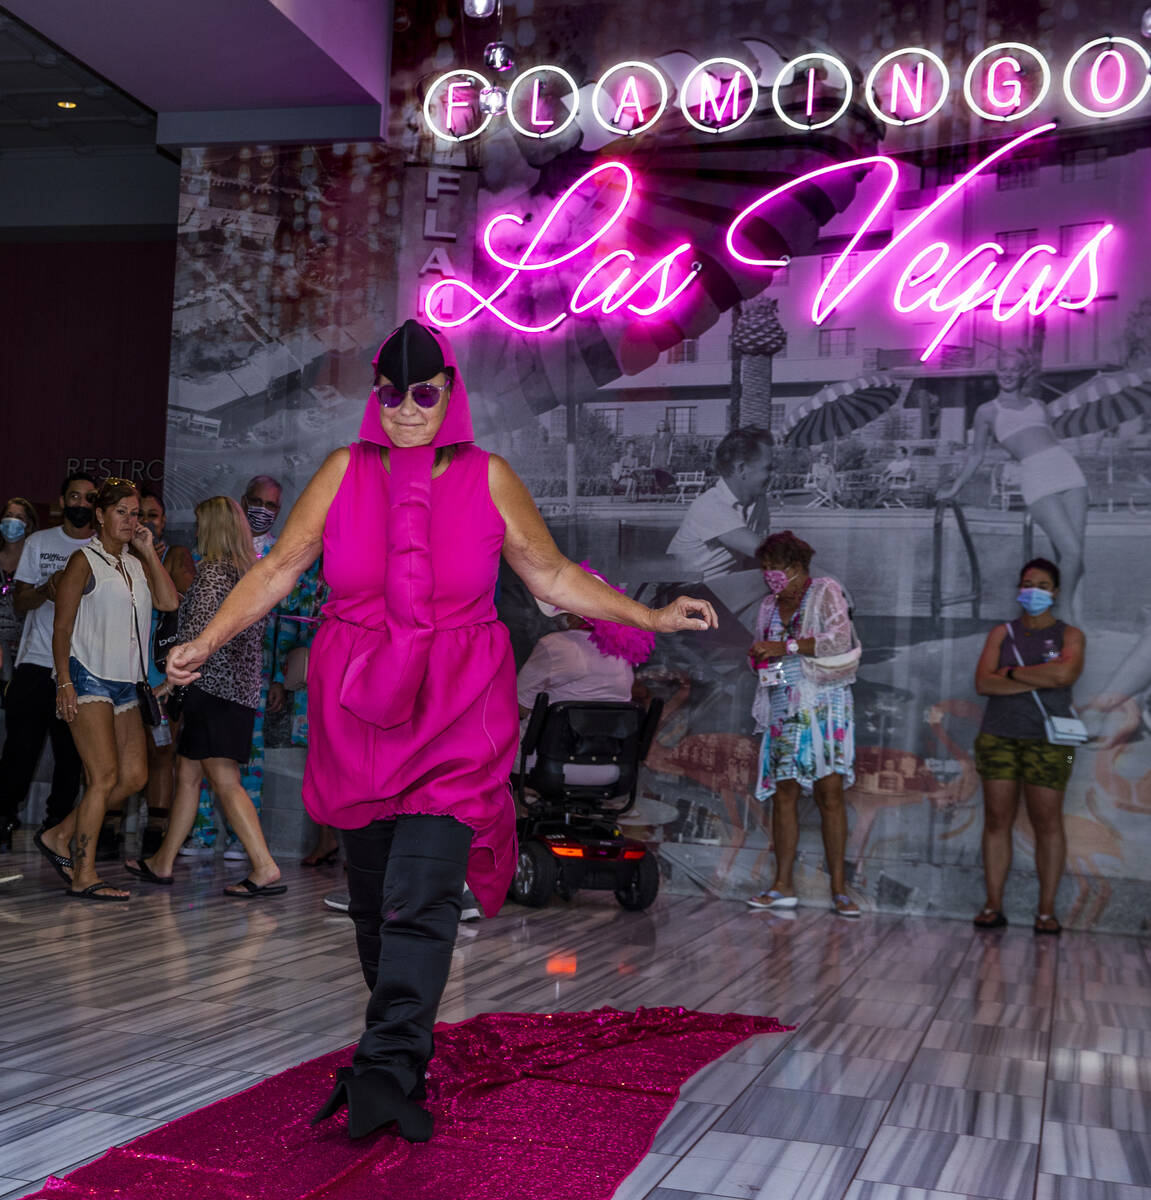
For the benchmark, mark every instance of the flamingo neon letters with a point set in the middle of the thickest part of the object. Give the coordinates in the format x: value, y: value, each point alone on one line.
x: 930, y: 274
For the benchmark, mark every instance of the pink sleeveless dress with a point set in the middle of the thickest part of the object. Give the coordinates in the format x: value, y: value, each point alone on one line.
x: 411, y: 681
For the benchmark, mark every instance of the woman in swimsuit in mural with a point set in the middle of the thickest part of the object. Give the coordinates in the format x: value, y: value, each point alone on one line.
x: 1054, y: 488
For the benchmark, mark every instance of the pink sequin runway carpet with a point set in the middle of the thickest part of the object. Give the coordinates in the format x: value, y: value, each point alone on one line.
x: 530, y: 1106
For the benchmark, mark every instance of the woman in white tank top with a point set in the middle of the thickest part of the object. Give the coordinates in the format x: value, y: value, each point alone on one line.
x: 1054, y: 488
x: 103, y: 611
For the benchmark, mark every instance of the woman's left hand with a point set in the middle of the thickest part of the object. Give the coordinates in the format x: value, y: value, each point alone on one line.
x: 142, y: 540
x: 761, y: 650
x: 684, y: 612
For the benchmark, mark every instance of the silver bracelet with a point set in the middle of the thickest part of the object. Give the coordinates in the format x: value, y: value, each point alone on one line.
x: 67, y: 683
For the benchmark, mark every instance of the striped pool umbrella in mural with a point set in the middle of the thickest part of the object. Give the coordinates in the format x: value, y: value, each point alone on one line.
x: 841, y: 408
x: 1102, y: 403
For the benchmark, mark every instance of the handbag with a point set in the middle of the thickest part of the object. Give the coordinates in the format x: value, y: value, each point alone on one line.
x: 1059, y: 731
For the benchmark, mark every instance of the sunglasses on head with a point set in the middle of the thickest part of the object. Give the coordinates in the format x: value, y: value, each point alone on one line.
x: 426, y: 395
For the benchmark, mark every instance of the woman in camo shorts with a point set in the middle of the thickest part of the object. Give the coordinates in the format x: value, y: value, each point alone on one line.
x: 1012, y: 753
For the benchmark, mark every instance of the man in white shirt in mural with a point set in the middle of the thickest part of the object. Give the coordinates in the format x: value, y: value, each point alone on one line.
x: 30, y: 702
x: 718, y: 536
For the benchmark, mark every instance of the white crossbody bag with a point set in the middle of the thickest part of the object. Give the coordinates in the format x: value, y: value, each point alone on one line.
x: 1059, y: 731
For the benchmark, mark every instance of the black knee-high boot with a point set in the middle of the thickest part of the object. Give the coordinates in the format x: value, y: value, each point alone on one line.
x: 405, y: 879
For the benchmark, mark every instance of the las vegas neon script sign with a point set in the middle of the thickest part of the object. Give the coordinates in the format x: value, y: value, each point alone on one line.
x: 931, y: 276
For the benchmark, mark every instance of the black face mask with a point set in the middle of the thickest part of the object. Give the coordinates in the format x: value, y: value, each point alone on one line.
x: 78, y: 515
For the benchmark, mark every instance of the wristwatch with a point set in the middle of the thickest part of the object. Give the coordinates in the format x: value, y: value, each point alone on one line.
x: 791, y: 646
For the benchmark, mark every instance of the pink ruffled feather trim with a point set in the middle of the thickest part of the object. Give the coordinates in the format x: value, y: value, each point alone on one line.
x: 614, y: 640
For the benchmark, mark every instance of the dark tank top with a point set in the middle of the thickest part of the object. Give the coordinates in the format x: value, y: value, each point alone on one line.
x: 1019, y: 716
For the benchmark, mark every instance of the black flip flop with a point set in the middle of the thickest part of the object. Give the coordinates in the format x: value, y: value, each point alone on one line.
x: 252, y: 890
x: 58, y: 862
x: 145, y: 872
x: 93, y: 893
x: 997, y: 923
x: 1048, y: 932
x: 324, y: 860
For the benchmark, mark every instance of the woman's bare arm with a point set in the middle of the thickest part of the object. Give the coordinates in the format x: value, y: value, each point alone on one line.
x: 165, y: 598
x: 273, y: 577
x: 73, y: 579
x: 533, y: 555
x: 988, y: 681
x: 1064, y: 671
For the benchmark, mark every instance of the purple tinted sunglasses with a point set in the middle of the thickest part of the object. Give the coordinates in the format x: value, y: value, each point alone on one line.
x: 426, y: 395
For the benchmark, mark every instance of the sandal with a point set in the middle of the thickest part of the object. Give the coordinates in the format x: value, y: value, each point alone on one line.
x: 96, y: 892
x: 59, y: 863
x: 989, y: 918
x: 773, y: 899
x: 252, y: 890
x: 1047, y: 923
x: 844, y: 906
x: 141, y: 870
x: 321, y: 860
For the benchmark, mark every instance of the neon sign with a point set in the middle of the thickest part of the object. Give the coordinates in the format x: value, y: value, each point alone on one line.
x: 629, y: 102
x: 1107, y: 105
x: 1003, y: 89
x: 930, y: 274
x: 912, y: 97
x: 606, y: 285
x: 701, y: 90
x: 1005, y: 82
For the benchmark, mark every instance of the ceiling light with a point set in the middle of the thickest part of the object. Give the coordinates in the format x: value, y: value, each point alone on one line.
x: 65, y: 103
x: 479, y: 9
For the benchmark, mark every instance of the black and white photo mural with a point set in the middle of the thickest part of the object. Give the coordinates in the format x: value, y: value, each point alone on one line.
x: 877, y: 276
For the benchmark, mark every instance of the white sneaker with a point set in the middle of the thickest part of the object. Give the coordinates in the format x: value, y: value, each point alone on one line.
x: 773, y: 899
x: 235, y: 853
x: 338, y: 901
x: 194, y: 849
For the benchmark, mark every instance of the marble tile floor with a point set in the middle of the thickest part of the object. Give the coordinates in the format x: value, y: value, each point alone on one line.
x: 931, y: 1061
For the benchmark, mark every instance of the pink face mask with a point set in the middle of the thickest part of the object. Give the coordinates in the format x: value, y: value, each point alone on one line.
x: 776, y: 581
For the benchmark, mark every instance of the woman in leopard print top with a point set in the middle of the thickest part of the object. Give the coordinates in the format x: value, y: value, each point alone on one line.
x: 234, y: 671
x: 219, y: 707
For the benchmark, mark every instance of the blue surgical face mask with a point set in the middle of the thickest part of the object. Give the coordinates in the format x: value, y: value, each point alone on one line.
x: 1035, y: 600
x: 12, y: 529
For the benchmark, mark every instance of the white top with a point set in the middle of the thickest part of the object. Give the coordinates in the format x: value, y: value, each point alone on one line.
x: 1010, y: 421
x: 696, y: 546
x: 568, y: 667
x: 105, y: 636
x: 43, y: 555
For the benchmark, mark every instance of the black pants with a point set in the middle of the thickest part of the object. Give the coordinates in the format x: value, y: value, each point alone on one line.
x: 30, y: 716
x: 405, y: 880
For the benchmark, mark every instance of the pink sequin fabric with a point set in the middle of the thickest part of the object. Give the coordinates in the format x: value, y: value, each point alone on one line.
x: 527, y: 1106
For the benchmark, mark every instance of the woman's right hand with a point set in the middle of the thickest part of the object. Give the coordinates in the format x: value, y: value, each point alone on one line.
x: 67, y: 703
x: 183, y: 661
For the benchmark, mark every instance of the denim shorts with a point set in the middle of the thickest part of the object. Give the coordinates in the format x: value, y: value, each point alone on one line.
x: 89, y: 687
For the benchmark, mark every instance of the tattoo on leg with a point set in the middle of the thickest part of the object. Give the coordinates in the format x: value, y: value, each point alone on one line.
x: 81, y: 848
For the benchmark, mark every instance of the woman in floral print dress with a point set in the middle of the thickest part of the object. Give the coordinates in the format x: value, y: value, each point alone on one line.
x: 807, y: 655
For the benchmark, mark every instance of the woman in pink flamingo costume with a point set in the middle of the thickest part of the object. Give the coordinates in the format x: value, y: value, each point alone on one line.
x: 411, y: 690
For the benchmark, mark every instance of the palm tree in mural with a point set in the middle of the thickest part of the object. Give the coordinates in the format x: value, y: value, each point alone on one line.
x: 756, y: 337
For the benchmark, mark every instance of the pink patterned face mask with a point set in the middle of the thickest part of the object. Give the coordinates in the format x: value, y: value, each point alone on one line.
x: 776, y: 581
